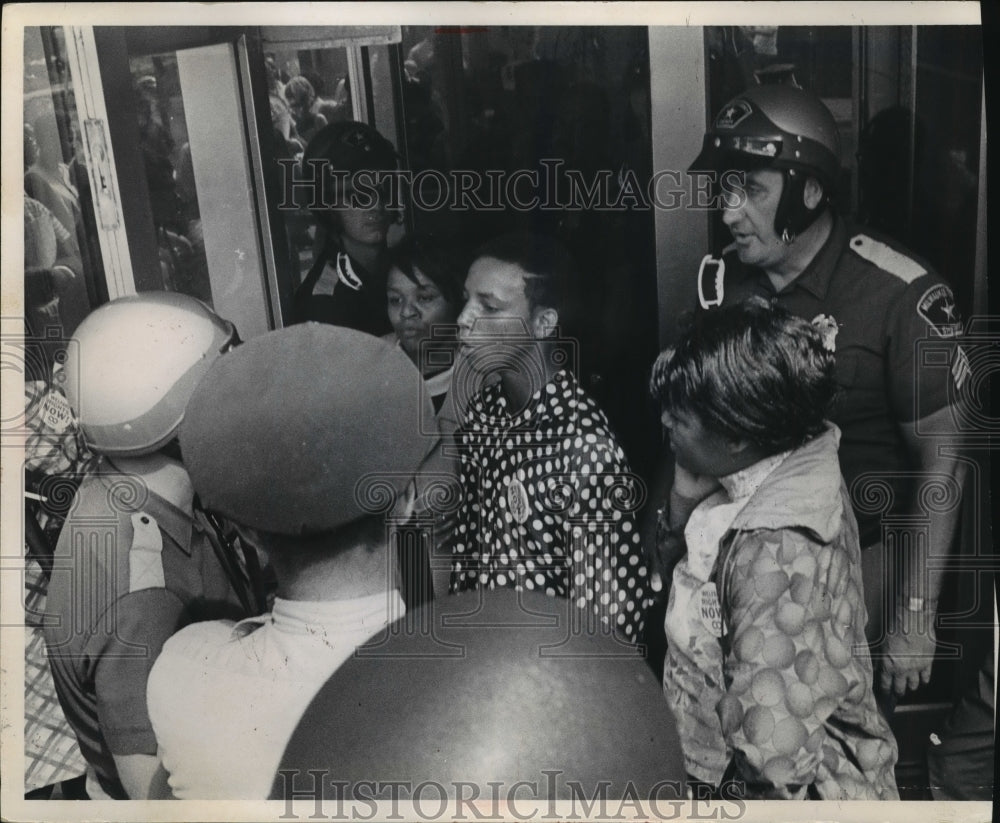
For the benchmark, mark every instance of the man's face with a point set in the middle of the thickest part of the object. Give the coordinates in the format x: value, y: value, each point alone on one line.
x: 497, y: 326
x: 752, y: 221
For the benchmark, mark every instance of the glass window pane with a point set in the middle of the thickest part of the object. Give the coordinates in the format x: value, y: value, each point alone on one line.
x: 166, y: 156
x: 195, y: 159
x: 63, y: 272
x: 307, y: 88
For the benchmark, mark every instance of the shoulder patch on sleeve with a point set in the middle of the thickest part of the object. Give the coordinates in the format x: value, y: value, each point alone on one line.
x: 937, y: 307
x: 145, y: 556
x: 887, y: 258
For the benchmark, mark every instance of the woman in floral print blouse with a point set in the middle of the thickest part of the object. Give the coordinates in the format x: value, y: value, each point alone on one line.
x: 767, y: 669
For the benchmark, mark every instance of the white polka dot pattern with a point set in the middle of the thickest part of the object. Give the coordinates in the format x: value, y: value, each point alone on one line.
x: 549, y: 504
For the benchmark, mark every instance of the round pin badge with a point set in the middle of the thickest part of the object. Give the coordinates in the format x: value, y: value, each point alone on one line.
x: 709, y: 609
x: 517, y: 500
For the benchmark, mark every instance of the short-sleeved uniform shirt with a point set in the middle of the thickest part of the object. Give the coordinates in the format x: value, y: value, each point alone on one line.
x: 885, y: 303
x: 112, y: 603
x: 549, y: 504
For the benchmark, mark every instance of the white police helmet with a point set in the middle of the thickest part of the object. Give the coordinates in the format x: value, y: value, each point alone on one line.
x: 133, y: 365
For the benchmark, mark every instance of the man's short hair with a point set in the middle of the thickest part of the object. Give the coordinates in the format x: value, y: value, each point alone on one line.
x: 548, y: 263
x: 369, y: 529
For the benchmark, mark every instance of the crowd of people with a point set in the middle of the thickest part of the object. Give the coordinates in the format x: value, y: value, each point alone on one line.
x: 275, y: 512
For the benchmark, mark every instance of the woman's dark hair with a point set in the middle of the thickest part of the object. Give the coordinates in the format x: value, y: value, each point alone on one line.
x: 753, y: 372
x: 444, y: 263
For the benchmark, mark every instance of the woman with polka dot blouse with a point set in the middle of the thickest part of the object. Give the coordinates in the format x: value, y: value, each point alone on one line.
x: 767, y: 668
x: 548, y: 500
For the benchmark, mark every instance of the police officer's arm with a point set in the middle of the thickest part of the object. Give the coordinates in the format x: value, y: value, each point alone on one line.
x: 910, y: 652
x: 924, y: 397
x: 137, y: 773
x: 144, y: 620
x: 159, y: 787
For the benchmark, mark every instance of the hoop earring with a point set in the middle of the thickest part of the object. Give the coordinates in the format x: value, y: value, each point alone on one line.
x: 787, y: 237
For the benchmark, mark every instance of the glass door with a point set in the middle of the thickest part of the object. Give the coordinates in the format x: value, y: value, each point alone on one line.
x: 64, y: 273
x: 314, y: 76
x: 178, y: 123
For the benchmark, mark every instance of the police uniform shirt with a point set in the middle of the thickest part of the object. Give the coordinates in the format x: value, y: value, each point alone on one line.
x: 884, y: 303
x: 119, y: 588
x: 549, y: 504
x: 341, y: 292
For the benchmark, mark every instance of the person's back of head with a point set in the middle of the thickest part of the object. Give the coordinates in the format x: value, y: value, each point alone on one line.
x: 307, y: 435
x: 299, y: 91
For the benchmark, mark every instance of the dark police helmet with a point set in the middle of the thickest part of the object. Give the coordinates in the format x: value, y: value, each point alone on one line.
x: 351, y: 146
x: 774, y: 126
x: 490, y: 687
x: 779, y: 127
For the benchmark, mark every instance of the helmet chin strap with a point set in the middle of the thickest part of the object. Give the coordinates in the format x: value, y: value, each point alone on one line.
x: 792, y: 216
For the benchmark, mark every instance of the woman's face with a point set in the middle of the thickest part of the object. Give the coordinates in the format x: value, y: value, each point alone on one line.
x: 698, y: 448
x: 367, y: 227
x: 414, y: 308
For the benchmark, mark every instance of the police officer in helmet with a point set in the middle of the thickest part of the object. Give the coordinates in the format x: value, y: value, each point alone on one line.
x: 136, y: 559
x: 346, y: 284
x: 776, y: 153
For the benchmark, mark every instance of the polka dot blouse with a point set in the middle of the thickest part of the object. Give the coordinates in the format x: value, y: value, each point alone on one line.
x: 549, y: 504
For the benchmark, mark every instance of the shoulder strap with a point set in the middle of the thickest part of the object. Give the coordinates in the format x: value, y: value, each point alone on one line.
x: 145, y: 555
x: 886, y: 258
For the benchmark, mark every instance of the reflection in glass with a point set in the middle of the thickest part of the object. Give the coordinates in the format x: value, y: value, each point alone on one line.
x: 63, y: 275
x: 166, y: 155
x: 307, y: 89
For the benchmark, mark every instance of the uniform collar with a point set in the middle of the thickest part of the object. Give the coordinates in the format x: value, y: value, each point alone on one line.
x: 816, y: 277
x: 178, y: 523
x: 310, y: 617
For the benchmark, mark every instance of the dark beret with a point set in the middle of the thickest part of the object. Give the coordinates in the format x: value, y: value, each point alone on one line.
x: 304, y: 429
